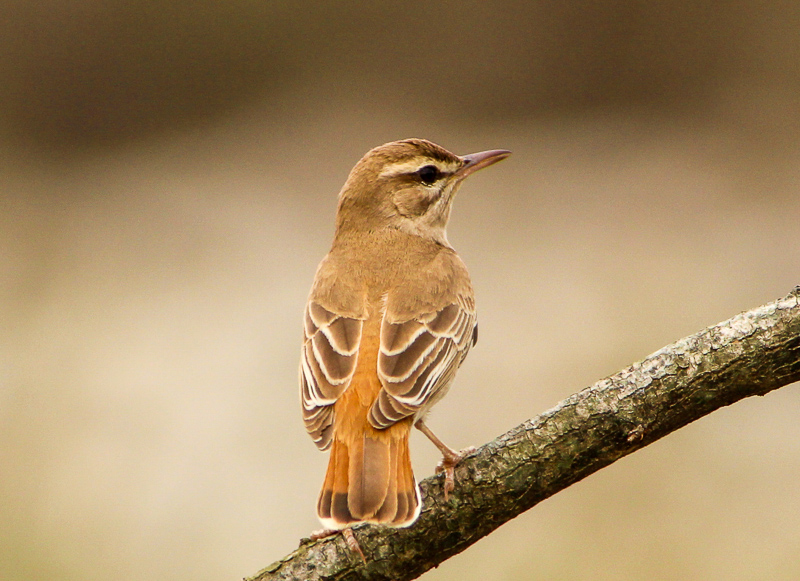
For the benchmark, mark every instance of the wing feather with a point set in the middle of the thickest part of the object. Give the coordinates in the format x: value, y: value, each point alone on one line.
x: 418, y: 359
x: 400, y: 366
x: 327, y: 363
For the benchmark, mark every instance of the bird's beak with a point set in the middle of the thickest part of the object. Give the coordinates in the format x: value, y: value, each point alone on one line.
x: 475, y: 161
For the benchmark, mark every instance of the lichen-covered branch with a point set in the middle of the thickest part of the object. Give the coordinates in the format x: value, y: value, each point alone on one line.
x: 751, y: 354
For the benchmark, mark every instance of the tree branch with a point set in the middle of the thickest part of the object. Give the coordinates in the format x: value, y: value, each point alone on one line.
x: 751, y: 354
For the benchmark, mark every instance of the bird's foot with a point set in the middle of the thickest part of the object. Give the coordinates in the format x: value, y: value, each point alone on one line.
x: 450, y: 460
x: 349, y: 539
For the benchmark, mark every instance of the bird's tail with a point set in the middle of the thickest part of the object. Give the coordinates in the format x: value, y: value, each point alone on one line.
x: 369, y: 479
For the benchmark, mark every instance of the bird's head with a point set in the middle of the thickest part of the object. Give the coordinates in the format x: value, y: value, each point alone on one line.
x: 407, y: 185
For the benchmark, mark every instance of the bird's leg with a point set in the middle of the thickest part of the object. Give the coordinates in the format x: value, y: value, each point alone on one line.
x: 450, y: 458
x: 349, y: 539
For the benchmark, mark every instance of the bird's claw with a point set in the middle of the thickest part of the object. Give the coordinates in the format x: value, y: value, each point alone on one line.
x: 447, y: 465
x: 349, y: 539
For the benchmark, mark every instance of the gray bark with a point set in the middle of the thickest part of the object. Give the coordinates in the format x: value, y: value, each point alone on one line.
x: 751, y: 354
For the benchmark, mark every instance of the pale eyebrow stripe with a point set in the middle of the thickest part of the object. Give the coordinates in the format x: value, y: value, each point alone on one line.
x: 407, y: 167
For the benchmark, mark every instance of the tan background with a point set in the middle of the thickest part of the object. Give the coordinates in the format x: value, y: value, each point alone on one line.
x: 168, y: 177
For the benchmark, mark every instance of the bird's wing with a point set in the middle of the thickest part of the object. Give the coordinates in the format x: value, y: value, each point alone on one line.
x: 327, y: 363
x: 419, y: 357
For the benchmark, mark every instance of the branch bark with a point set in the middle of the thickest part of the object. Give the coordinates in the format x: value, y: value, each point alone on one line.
x: 751, y: 354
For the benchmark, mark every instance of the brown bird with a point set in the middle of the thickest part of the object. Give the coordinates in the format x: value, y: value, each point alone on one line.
x: 390, y: 318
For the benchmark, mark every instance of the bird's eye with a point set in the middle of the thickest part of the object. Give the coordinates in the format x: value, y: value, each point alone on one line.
x: 428, y: 174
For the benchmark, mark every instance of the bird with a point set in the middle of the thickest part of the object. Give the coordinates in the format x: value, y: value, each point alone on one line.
x: 389, y: 319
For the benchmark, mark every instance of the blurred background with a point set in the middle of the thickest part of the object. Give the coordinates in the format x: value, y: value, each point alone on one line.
x: 168, y: 180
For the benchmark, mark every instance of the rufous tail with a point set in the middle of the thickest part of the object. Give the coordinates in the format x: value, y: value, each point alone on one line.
x: 369, y: 479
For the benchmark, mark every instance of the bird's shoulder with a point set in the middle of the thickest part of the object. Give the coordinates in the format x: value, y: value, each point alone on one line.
x: 404, y: 278
x: 434, y: 284
x: 338, y: 288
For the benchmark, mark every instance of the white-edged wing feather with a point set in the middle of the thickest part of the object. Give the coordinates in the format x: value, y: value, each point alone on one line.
x: 327, y: 363
x: 418, y: 360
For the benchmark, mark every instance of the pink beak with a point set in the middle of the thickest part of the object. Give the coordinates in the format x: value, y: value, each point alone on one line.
x: 475, y: 161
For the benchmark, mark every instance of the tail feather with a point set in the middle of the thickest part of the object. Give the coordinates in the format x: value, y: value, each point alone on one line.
x: 332, y: 503
x: 388, y: 510
x: 369, y: 480
x: 369, y: 473
x: 408, y: 496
